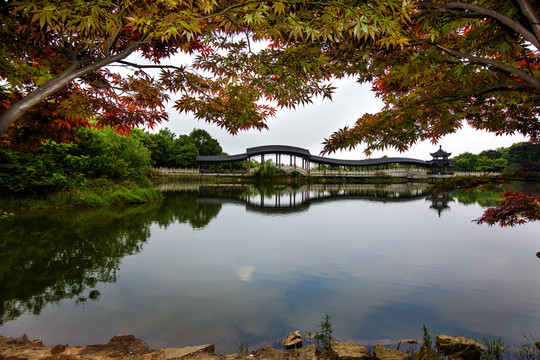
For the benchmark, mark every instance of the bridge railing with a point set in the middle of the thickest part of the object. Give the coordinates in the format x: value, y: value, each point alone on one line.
x: 177, y: 171
x: 291, y: 168
x: 475, y: 173
x: 408, y: 173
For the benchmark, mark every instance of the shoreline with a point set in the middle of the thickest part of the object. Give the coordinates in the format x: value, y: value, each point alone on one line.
x: 129, y: 347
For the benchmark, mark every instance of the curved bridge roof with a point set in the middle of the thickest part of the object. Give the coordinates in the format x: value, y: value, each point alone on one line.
x: 304, y: 153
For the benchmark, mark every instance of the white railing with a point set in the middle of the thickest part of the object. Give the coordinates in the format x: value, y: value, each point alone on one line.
x: 475, y: 173
x: 177, y: 171
x: 404, y: 173
x: 291, y: 168
x: 408, y: 173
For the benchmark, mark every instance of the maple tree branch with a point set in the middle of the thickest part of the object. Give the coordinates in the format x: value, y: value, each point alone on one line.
x: 498, y: 65
x: 114, y: 38
x: 529, y: 36
x: 51, y: 86
x: 503, y: 85
x: 140, y: 66
x: 227, y: 8
x: 529, y: 12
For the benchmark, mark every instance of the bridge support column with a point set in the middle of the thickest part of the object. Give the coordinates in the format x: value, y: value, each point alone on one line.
x: 262, y: 160
x: 248, y: 165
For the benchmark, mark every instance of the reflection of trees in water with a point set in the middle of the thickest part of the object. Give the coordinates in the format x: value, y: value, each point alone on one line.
x: 490, y: 198
x: 183, y: 207
x: 49, y: 256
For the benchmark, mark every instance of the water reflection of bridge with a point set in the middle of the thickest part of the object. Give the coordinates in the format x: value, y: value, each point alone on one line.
x: 288, y: 199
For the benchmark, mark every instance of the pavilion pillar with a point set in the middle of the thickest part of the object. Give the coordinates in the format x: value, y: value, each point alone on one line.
x: 248, y: 165
x: 295, y: 162
x: 262, y: 160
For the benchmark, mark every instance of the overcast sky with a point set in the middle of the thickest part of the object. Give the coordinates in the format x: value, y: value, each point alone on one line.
x: 306, y: 127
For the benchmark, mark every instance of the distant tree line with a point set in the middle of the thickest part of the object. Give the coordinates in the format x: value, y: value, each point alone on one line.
x: 171, y: 151
x: 523, y: 156
x: 100, y: 155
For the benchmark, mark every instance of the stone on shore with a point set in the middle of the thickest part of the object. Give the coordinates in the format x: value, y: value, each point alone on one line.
x: 128, y: 343
x: 266, y: 353
x: 538, y: 342
x: 459, y: 348
x: 471, y: 352
x: 180, y: 353
x: 293, y: 340
x: 347, y: 351
x: 453, y: 344
x: 426, y: 353
x: 309, y: 352
x: 382, y: 353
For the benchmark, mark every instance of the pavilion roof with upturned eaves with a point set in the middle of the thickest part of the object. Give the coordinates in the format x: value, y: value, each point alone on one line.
x: 440, y: 153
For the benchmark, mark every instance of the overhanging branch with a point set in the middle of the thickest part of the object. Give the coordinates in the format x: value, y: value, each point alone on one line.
x: 495, y: 64
x: 529, y: 12
x: 503, y: 85
x: 527, y: 35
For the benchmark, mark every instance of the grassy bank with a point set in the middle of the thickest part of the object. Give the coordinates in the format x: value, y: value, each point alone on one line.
x: 95, y: 193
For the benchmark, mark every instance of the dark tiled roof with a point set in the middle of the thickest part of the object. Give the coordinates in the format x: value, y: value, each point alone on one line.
x: 278, y: 149
x: 366, y: 162
x: 304, y: 153
x: 440, y: 153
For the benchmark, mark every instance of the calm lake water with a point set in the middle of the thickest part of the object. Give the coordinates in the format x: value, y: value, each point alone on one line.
x: 234, y: 265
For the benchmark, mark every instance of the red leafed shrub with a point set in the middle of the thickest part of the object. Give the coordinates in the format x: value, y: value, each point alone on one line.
x: 515, y: 209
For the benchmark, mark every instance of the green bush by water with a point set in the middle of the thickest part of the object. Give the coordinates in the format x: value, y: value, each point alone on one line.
x: 96, y: 193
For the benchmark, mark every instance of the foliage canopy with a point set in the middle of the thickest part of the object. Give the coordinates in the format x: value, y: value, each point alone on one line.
x: 65, y: 63
x: 474, y: 62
